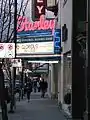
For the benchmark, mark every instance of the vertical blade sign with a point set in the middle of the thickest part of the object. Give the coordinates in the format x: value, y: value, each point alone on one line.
x: 39, y: 7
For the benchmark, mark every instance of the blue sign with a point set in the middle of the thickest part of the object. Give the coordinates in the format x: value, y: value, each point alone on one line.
x: 34, y: 33
x: 34, y: 39
x: 57, y: 41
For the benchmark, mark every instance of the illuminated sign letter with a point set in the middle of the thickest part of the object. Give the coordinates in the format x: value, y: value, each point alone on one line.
x: 40, y: 9
x: 23, y: 24
x: 39, y: 1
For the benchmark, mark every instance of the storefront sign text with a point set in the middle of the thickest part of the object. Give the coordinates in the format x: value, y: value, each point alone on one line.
x: 42, y: 24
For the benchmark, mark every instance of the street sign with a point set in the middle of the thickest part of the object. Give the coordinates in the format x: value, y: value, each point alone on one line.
x: 10, y: 46
x: 7, y: 50
x: 16, y: 63
x: 1, y: 47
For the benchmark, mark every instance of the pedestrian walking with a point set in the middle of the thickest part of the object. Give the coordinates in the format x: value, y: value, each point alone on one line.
x: 46, y: 86
x: 38, y: 86
x: 29, y: 90
x: 19, y: 94
x: 35, y: 85
x: 43, y: 87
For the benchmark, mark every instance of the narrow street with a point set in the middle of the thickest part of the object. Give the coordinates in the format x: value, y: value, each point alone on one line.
x: 37, y: 109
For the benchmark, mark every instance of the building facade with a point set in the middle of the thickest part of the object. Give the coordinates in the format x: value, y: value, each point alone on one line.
x: 61, y: 72
x: 66, y: 20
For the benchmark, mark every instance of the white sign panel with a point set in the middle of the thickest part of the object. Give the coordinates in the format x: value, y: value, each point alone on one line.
x: 16, y: 63
x: 35, y: 48
x: 7, y: 50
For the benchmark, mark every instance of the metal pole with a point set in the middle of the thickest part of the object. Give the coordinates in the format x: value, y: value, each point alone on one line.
x: 2, y: 100
x: 15, y: 38
x: 22, y: 75
x: 14, y: 69
x: 13, y: 91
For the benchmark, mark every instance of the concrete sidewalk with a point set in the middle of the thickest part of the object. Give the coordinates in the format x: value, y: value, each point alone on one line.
x: 37, y: 109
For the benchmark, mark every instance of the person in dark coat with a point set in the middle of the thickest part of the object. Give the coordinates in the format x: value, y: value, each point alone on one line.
x: 67, y: 98
x: 46, y: 86
x: 43, y: 87
x: 38, y: 86
x: 35, y: 85
x: 29, y: 90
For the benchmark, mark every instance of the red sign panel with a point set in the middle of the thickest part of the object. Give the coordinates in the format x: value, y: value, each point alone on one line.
x: 39, y: 8
x: 10, y: 47
x: 1, y: 47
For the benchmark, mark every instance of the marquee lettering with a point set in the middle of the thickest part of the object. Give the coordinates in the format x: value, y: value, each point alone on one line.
x: 39, y: 9
x: 41, y: 6
x: 23, y: 24
x: 39, y: 1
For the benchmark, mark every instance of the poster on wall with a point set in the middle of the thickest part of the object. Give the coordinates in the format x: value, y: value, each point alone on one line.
x: 7, y: 50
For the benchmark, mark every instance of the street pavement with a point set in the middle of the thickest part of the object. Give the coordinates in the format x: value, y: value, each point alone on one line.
x: 37, y: 109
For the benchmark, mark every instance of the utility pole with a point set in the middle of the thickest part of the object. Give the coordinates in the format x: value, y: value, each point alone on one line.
x: 15, y: 38
x: 14, y: 68
x: 22, y: 75
x: 11, y: 91
x: 12, y: 87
